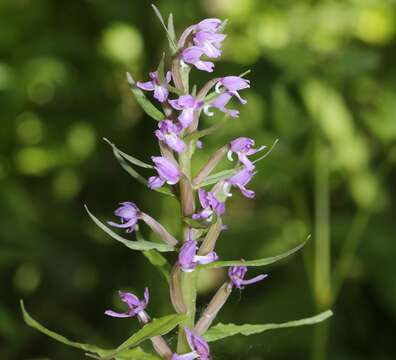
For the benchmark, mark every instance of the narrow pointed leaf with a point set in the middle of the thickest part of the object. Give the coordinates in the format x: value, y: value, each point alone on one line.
x: 172, y: 44
x: 146, y: 104
x: 127, y: 157
x: 157, y: 327
x: 140, y: 245
x: 161, y: 68
x: 36, y: 325
x: 258, y: 262
x: 221, y: 331
x: 131, y: 354
x: 171, y: 28
x: 215, y: 178
x: 131, y: 171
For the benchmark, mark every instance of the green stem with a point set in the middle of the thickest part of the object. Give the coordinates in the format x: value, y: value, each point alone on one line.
x: 322, y: 282
x: 321, y: 265
x: 348, y: 251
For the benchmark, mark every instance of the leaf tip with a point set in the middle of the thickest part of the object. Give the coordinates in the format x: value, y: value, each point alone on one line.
x: 130, y: 78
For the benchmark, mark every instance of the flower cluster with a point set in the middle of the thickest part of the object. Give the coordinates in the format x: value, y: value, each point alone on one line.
x: 199, y: 41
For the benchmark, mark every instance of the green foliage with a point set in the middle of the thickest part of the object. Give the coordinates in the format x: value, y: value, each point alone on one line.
x: 157, y: 327
x: 258, y: 262
x: 221, y: 331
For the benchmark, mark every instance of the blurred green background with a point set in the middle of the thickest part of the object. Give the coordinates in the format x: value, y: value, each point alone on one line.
x: 323, y: 82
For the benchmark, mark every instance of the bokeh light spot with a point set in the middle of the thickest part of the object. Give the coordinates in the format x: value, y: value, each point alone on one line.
x: 27, y: 278
x: 122, y: 43
x: 81, y: 139
x: 29, y: 128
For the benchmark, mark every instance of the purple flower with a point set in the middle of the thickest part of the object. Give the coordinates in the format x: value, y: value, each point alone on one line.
x: 243, y: 147
x: 169, y: 133
x: 210, y: 25
x: 158, y: 86
x: 129, y: 214
x: 232, y: 85
x: 187, y: 104
x: 219, y: 103
x: 188, y: 258
x: 240, y: 179
x: 198, y: 345
x: 135, y: 306
x: 192, y: 55
x: 168, y: 172
x: 237, y: 275
x: 209, y: 42
x: 210, y: 204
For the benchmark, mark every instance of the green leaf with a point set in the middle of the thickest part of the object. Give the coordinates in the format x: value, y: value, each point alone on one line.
x: 127, y: 157
x: 258, y: 262
x: 121, y: 156
x: 221, y: 331
x: 136, y: 354
x: 128, y: 354
x: 171, y: 27
x: 161, y: 68
x: 36, y: 325
x: 169, y: 32
x: 159, y: 262
x: 222, y: 175
x: 157, y: 327
x: 146, y: 105
x: 140, y: 245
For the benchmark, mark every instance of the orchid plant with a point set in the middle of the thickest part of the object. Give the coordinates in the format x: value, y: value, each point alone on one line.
x: 177, y: 107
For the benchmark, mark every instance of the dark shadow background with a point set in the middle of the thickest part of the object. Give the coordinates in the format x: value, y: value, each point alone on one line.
x: 321, y: 71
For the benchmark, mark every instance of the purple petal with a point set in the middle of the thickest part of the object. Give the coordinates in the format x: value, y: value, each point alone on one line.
x: 175, y: 143
x: 186, y: 101
x: 146, y: 296
x: 119, y: 315
x: 254, y: 280
x: 189, y: 356
x: 186, y: 117
x: 204, y: 65
x: 210, y: 24
x: 246, y: 192
x: 207, y: 259
x: 192, y: 54
x: 166, y: 169
x: 130, y: 299
x: 148, y: 86
x: 161, y: 93
x: 234, y: 83
x: 175, y: 104
x: 155, y: 182
x: 186, y: 255
x: 202, y: 195
x: 168, y: 76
